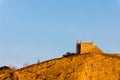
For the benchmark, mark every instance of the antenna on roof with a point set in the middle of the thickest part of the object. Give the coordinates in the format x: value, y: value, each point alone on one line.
x: 84, y: 36
x: 77, y: 41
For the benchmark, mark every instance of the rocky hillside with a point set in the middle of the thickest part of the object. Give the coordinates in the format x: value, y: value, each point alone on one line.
x: 74, y: 67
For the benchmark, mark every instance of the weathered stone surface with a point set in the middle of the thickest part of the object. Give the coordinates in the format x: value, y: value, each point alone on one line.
x: 87, y: 47
x: 75, y: 67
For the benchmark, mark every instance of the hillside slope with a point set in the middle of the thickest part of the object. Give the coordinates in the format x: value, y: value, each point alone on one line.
x: 75, y: 67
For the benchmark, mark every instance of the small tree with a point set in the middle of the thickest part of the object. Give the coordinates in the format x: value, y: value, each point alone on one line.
x: 68, y: 54
x: 12, y: 67
x: 4, y: 67
x: 25, y: 64
x: 38, y: 61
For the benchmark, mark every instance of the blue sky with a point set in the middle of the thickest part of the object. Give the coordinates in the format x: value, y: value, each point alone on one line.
x: 46, y: 29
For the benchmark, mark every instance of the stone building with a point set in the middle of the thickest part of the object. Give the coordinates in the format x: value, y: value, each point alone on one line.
x: 87, y: 47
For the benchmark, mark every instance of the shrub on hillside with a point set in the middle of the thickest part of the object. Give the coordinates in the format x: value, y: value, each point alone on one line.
x: 68, y: 54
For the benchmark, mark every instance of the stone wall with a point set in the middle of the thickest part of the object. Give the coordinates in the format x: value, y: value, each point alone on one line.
x: 87, y: 47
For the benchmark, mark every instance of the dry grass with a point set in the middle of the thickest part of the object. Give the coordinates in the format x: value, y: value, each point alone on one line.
x: 75, y: 67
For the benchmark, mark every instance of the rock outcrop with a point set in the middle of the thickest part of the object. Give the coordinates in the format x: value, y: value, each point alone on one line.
x: 90, y: 66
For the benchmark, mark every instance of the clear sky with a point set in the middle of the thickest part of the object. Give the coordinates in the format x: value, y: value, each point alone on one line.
x: 46, y: 29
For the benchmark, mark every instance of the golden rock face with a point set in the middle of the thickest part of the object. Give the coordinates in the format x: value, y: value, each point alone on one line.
x: 76, y: 67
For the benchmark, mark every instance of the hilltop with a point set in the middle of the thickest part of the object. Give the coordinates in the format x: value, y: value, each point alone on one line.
x: 86, y: 66
x: 75, y: 67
